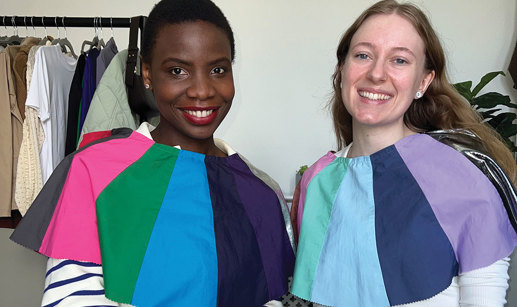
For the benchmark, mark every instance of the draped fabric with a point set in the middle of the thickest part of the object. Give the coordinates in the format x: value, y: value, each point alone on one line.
x: 169, y: 226
x: 395, y: 227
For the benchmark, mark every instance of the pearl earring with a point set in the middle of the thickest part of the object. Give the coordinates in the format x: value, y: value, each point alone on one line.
x: 147, y: 86
x: 418, y: 95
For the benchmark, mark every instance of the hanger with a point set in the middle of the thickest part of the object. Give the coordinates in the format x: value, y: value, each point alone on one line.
x: 56, y: 40
x: 14, y: 39
x: 25, y: 24
x: 111, y: 25
x: 32, y: 24
x: 64, y: 42
x: 3, y: 38
x: 94, y: 42
x: 101, y: 41
x: 45, y: 39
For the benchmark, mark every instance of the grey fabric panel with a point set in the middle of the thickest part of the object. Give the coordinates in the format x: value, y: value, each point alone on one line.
x: 33, y: 226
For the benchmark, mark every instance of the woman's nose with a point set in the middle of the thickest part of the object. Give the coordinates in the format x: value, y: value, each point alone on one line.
x: 377, y: 71
x: 201, y: 88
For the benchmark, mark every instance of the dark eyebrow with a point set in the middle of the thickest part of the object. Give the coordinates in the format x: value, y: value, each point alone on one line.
x: 175, y: 60
x: 186, y: 63
x: 219, y: 60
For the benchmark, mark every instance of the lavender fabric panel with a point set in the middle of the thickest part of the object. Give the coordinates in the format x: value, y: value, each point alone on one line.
x: 465, y: 202
x: 265, y: 214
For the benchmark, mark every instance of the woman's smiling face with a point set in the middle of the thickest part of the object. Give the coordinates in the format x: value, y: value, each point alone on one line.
x: 190, y: 73
x: 383, y: 70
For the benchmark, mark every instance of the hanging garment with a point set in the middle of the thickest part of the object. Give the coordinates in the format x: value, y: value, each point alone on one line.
x: 20, y: 71
x: 89, y: 84
x: 12, y: 133
x: 74, y: 105
x: 48, y: 94
x: 109, y: 108
x: 29, y: 179
x: 106, y: 55
x: 6, y: 143
x: 513, y: 67
x: 168, y: 224
x: 395, y: 227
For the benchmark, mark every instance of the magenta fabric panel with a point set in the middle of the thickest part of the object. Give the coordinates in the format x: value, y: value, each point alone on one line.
x: 72, y: 232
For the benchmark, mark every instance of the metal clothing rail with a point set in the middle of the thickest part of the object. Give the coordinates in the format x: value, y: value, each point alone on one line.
x: 63, y: 21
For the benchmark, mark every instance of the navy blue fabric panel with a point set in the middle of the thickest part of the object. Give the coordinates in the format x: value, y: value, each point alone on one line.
x: 416, y: 257
x: 241, y: 277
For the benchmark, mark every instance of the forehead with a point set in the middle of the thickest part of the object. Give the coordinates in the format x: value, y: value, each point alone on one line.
x: 192, y: 39
x: 389, y: 31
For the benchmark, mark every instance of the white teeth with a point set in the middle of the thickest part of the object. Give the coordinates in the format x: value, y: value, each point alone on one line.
x: 374, y: 96
x: 201, y: 114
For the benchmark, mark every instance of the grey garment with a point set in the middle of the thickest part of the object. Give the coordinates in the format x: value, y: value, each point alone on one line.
x: 110, y: 108
x: 104, y: 59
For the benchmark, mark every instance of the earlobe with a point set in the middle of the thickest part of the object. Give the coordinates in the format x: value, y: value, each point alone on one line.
x: 428, y: 78
x: 146, y: 76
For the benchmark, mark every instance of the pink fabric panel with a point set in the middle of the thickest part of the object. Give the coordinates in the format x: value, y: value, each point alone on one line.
x: 307, y: 177
x: 72, y: 232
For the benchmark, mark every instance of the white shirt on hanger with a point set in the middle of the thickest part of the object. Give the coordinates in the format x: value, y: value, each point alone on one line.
x: 48, y: 94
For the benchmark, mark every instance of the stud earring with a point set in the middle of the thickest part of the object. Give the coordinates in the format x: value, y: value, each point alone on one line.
x: 147, y: 86
x: 418, y: 95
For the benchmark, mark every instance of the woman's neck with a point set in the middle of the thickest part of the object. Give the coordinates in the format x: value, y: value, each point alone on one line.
x: 203, y: 146
x: 369, y: 140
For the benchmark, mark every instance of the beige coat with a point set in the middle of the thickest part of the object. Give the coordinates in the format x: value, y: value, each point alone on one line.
x: 11, y: 126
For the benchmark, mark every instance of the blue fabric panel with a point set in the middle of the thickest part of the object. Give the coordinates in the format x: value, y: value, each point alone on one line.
x: 350, y: 242
x: 183, y: 234
x: 242, y: 281
x: 418, y: 262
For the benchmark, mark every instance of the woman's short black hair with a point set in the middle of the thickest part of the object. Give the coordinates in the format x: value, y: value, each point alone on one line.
x: 168, y: 12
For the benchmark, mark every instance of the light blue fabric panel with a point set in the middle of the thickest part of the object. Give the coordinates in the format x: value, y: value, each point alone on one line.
x: 182, y: 235
x: 349, y: 256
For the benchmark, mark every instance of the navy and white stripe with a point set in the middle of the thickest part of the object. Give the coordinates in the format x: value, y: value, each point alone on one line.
x: 74, y: 283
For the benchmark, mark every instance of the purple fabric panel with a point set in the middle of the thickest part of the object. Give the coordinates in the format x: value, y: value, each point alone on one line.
x: 465, y: 202
x: 307, y: 177
x: 241, y: 277
x: 265, y: 214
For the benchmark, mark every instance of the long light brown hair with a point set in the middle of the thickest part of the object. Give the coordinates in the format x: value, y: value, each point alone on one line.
x: 441, y: 107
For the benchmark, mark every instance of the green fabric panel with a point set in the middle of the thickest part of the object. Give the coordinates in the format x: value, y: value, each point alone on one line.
x: 126, y: 212
x: 319, y: 202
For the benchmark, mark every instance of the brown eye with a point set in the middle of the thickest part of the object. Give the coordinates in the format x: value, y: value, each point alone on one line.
x: 218, y: 70
x: 177, y: 71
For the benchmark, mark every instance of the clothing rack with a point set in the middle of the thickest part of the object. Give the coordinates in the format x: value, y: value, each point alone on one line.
x: 73, y: 22
x: 63, y: 21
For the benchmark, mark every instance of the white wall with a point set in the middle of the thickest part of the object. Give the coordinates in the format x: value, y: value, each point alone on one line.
x: 285, y: 57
